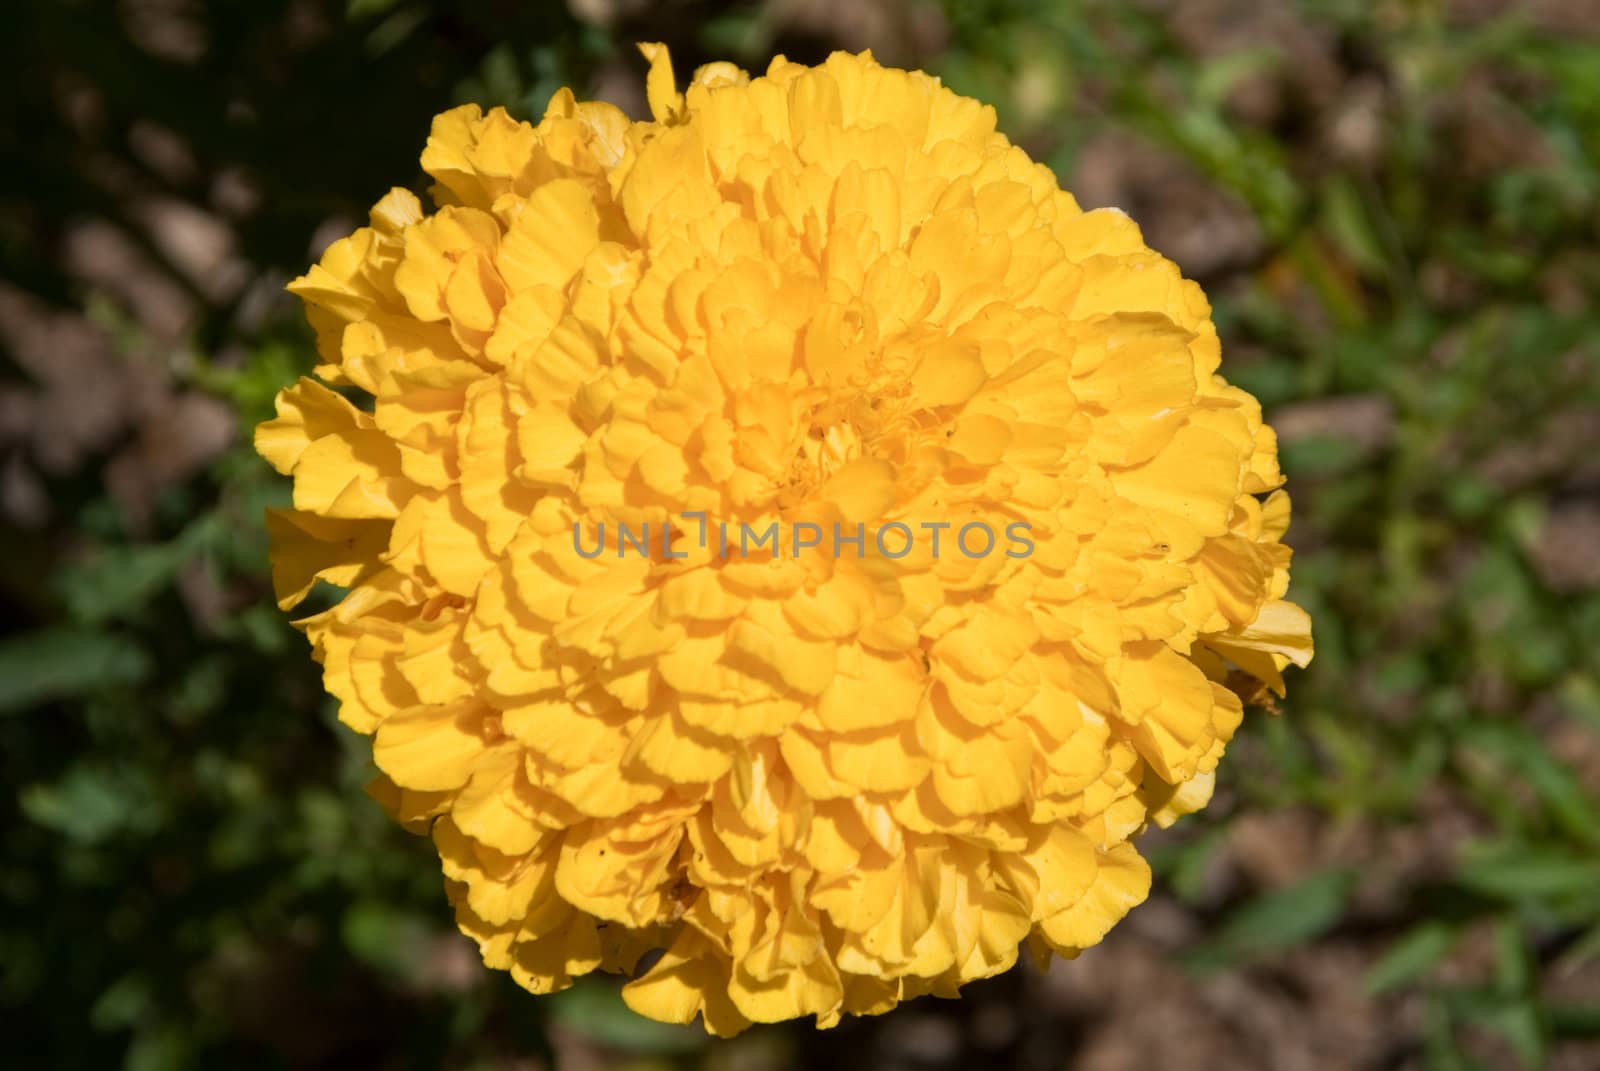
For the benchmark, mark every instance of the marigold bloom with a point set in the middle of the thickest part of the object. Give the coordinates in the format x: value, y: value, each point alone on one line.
x: 775, y: 786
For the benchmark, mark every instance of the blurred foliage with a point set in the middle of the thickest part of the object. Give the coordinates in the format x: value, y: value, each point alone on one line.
x: 192, y: 877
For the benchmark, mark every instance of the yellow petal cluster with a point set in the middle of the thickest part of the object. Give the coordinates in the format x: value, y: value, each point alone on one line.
x: 806, y: 784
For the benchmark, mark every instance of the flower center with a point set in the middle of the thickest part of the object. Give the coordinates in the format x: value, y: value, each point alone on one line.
x: 824, y: 449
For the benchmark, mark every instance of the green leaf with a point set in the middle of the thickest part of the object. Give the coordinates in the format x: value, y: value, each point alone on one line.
x: 64, y: 663
x: 356, y: 9
x: 115, y: 581
x: 1278, y: 919
x: 1217, y: 77
x: 1518, y: 1021
x: 1410, y: 956
x: 93, y: 802
x: 123, y: 1003
x: 163, y: 1048
x: 1516, y: 872
x: 1585, y: 949
x: 1555, y: 783
x: 594, y: 1007
x: 1323, y: 455
x: 1515, y: 971
x: 1345, y: 219
x: 1185, y: 865
x: 390, y: 939
x: 1574, y: 1020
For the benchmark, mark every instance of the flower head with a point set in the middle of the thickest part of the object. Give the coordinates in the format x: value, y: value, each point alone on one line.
x: 824, y: 780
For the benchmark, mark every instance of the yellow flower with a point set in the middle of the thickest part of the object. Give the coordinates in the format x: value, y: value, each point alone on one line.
x: 822, y: 781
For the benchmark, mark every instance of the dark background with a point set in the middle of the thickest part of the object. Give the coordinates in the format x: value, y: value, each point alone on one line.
x: 1394, y: 207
